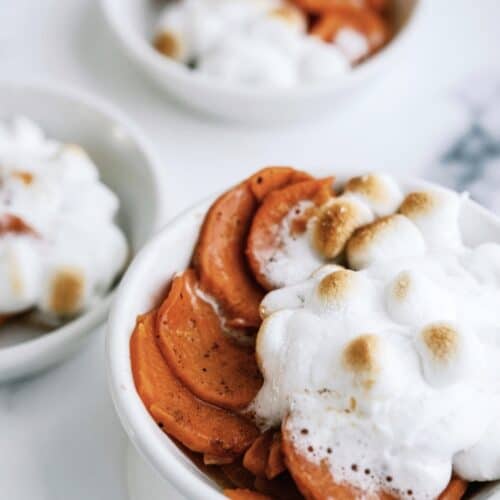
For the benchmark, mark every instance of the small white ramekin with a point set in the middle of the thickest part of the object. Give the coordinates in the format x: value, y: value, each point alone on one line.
x: 132, y: 22
x: 126, y: 164
x: 144, y: 286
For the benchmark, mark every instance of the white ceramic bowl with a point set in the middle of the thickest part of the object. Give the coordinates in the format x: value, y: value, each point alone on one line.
x: 141, y: 289
x: 126, y: 165
x: 132, y: 22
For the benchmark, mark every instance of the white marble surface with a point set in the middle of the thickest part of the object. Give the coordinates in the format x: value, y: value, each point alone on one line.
x: 59, y: 437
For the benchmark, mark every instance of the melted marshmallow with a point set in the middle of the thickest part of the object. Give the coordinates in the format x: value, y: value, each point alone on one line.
x: 392, y: 369
x: 252, y: 42
x: 386, y: 238
x: 326, y: 234
x: 435, y: 211
x: 294, y: 260
x: 328, y: 229
x: 379, y: 191
x: 73, y: 249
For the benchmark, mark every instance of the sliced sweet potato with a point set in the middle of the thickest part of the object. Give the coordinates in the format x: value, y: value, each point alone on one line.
x: 209, y: 459
x: 206, y: 361
x: 197, y: 425
x: 314, y: 480
x: 365, y: 21
x: 256, y: 457
x: 280, y: 488
x: 455, y: 490
x: 215, y: 472
x: 219, y: 257
x: 240, y: 494
x: 220, y: 260
x: 238, y: 475
x: 264, y: 232
x: 15, y: 225
x: 271, y: 178
x: 275, y: 461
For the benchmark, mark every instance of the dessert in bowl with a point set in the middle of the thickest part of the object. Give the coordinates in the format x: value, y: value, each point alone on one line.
x: 60, y: 247
x: 316, y: 343
x: 272, y: 43
x: 263, y: 60
x: 73, y: 212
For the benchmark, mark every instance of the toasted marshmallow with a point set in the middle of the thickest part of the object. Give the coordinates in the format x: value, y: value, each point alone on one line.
x: 66, y: 291
x: 380, y: 192
x: 172, y: 44
x: 370, y: 370
x: 387, y: 238
x: 172, y: 35
x: 290, y: 15
x: 361, y: 358
x: 435, y: 212
x: 481, y: 462
x: 342, y: 291
x: 336, y: 223
x: 297, y: 295
x: 413, y: 299
x: 443, y: 354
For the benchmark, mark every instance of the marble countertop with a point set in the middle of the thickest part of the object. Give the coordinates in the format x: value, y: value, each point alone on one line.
x: 436, y: 114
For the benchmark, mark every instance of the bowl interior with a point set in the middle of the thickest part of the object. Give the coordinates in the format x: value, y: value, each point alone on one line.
x: 124, y: 164
x: 143, y: 287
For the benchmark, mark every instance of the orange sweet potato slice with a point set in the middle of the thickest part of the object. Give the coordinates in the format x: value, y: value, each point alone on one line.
x: 256, y: 457
x: 275, y: 461
x: 220, y: 261
x: 271, y: 178
x: 314, y: 480
x: 241, y: 494
x: 455, y: 490
x: 199, y: 426
x: 238, y: 475
x: 209, y: 459
x: 365, y: 21
x: 219, y: 256
x: 321, y: 6
x: 264, y: 231
x: 280, y: 488
x: 207, y: 362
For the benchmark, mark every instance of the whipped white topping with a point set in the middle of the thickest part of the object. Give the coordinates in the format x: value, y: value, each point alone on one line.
x: 390, y: 373
x: 352, y: 43
x: 73, y: 250
x: 254, y: 42
x: 293, y: 259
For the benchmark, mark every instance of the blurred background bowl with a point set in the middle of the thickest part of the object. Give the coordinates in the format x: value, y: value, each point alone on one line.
x: 126, y: 164
x: 133, y: 21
